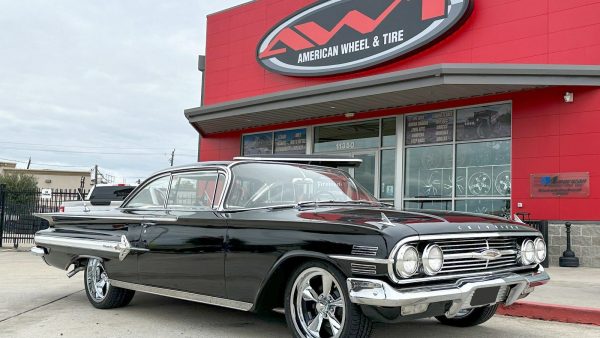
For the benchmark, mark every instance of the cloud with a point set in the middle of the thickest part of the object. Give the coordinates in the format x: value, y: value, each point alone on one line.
x: 110, y: 74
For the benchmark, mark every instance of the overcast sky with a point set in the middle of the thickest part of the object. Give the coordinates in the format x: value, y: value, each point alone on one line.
x: 79, y: 78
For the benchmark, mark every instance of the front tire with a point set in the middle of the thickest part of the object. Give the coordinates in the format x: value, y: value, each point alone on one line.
x: 470, y: 317
x: 99, y: 292
x: 317, y: 304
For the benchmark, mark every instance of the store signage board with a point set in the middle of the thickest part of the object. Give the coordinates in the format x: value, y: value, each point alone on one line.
x: 429, y: 128
x: 563, y: 185
x: 340, y: 36
x: 290, y: 141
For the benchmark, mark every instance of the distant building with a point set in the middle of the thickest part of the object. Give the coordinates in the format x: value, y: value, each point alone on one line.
x: 51, y: 178
x: 7, y: 165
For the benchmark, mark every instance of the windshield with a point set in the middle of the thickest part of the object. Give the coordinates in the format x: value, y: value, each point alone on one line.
x: 258, y: 185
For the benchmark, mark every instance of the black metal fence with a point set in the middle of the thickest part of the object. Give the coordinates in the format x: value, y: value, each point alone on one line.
x: 17, y: 223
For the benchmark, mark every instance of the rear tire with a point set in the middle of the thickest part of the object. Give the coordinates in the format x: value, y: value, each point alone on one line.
x: 317, y: 304
x: 99, y: 292
x: 473, y: 317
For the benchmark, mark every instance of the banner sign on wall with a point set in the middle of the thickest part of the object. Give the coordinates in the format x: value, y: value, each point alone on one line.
x: 573, y: 185
x: 335, y: 36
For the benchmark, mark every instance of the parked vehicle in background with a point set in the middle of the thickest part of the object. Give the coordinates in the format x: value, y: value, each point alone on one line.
x: 307, y: 240
x: 102, y: 197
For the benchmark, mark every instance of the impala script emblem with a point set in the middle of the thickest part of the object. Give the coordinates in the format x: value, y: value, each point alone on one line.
x: 339, y: 36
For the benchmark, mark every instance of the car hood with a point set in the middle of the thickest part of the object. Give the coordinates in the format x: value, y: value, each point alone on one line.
x: 421, y: 222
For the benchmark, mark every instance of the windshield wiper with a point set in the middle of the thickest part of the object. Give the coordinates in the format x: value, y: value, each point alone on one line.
x: 374, y: 203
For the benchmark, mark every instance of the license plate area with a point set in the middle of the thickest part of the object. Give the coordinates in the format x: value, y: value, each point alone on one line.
x: 485, y: 296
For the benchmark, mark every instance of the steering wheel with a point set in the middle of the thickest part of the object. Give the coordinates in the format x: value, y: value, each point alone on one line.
x: 324, y: 196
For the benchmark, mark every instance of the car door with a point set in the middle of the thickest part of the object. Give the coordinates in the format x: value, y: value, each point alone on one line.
x: 185, y: 240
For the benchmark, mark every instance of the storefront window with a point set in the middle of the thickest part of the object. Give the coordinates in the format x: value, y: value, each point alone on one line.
x: 388, y: 132
x: 290, y: 141
x: 429, y: 205
x: 483, y: 169
x: 429, y: 128
x: 258, y: 144
x: 347, y: 137
x: 388, y: 173
x: 466, y: 173
x: 493, y: 207
x: 279, y: 142
x: 428, y: 172
x: 483, y: 122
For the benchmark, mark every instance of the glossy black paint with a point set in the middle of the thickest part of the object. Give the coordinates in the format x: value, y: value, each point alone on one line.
x: 246, y: 255
x: 234, y: 254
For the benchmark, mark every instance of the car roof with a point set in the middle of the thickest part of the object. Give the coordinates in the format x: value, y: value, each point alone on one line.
x: 312, y: 162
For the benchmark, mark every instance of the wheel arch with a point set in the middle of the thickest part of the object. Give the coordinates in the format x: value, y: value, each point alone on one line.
x: 271, y: 293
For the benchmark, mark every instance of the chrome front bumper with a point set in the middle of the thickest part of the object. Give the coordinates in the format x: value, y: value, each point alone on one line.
x: 513, y: 286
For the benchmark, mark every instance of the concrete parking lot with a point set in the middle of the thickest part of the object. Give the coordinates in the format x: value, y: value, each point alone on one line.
x: 37, y: 300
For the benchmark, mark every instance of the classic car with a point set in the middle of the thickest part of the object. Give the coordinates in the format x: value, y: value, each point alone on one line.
x: 295, y: 238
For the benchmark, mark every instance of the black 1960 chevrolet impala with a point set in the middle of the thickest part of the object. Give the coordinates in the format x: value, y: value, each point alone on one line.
x: 254, y: 236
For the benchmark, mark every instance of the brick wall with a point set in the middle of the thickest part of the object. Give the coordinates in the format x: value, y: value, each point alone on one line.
x: 585, y: 242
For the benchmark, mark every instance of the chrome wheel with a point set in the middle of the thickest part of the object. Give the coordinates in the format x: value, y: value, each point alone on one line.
x: 97, y: 280
x: 317, y: 304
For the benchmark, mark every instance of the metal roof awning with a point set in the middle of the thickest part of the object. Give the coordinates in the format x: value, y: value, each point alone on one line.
x: 443, y: 82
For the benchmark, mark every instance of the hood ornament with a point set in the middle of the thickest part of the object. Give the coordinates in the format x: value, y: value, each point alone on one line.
x: 385, y: 220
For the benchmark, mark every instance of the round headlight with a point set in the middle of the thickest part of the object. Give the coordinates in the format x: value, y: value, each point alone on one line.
x: 407, y: 261
x: 433, y: 259
x: 540, y: 250
x: 528, y: 252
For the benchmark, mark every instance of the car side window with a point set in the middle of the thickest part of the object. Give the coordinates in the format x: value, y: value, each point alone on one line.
x: 153, y: 195
x: 194, y: 191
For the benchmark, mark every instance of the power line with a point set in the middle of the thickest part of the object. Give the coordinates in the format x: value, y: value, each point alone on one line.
x: 93, y: 152
x: 47, y: 164
x: 86, y: 147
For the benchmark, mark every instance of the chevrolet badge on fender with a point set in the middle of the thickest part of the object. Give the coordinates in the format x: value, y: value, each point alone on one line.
x: 340, y: 36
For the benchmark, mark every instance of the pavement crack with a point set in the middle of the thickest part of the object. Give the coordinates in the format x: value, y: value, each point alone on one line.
x: 39, y: 306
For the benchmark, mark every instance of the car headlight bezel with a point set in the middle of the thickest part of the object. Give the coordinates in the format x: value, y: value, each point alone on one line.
x: 427, y: 260
x: 536, y: 245
x: 527, y: 249
x: 402, y: 258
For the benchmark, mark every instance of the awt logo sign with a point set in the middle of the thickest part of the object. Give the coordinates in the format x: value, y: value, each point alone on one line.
x: 339, y: 36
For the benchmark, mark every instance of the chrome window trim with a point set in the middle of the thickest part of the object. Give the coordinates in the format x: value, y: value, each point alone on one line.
x: 391, y: 258
x: 194, y: 297
x: 227, y: 188
x: 134, y: 193
x: 221, y: 169
x: 219, y: 172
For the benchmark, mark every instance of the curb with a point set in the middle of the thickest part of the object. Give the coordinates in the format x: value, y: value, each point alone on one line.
x: 551, y: 312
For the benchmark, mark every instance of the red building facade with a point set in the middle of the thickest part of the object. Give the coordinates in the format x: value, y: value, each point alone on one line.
x: 473, y: 121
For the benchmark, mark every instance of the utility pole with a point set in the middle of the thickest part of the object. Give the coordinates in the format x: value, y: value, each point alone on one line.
x: 29, y: 162
x: 172, y: 157
x: 96, y: 174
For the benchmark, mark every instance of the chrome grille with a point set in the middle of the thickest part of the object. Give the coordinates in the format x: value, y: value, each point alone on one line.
x: 464, y: 255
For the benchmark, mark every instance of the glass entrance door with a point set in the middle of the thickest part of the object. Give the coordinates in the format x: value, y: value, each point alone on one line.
x: 366, y: 173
